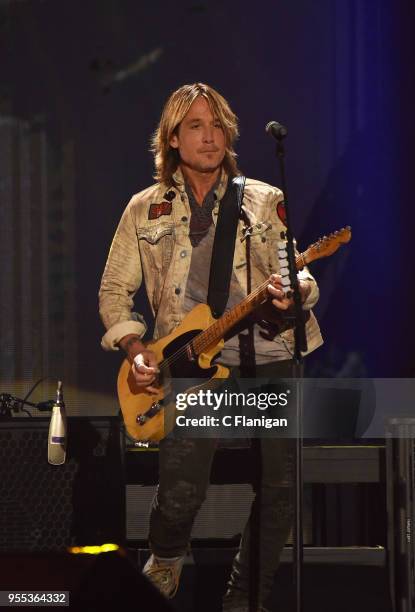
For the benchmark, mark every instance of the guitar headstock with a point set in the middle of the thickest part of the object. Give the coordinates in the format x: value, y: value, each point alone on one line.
x: 327, y: 245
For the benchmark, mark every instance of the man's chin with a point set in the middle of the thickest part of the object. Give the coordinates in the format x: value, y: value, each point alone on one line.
x: 209, y: 170
x: 204, y: 168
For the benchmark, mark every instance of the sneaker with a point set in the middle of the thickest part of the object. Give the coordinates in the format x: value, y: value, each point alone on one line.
x: 164, y: 573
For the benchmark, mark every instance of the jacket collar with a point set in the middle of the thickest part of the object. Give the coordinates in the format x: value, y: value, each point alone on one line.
x: 219, y: 191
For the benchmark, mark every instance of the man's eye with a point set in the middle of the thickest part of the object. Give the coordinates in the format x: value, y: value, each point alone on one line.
x: 195, y: 126
x: 218, y: 125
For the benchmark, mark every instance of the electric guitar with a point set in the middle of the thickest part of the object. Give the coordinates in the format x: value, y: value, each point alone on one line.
x: 188, y: 351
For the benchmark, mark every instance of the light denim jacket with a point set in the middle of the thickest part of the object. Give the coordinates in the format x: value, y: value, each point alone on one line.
x: 159, y: 251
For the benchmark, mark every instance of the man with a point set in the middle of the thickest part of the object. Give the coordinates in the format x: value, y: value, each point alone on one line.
x: 165, y: 237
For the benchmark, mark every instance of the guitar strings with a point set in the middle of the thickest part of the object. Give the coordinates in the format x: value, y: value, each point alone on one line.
x: 207, y: 332
x: 180, y: 352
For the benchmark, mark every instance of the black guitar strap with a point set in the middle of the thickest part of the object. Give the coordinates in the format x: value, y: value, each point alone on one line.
x: 224, y: 245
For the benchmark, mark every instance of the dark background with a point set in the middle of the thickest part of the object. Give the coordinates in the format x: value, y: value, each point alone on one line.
x: 84, y: 83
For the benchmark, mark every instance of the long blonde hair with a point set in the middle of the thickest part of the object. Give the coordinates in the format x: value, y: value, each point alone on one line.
x: 166, y: 158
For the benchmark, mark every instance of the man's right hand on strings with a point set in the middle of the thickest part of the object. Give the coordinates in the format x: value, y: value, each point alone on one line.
x: 143, y: 362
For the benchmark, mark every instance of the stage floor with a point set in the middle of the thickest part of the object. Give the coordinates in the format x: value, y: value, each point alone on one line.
x: 328, y: 586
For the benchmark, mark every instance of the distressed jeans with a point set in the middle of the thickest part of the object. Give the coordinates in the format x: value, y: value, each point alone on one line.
x: 184, y: 472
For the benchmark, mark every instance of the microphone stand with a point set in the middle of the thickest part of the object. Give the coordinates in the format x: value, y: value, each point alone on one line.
x: 300, y: 345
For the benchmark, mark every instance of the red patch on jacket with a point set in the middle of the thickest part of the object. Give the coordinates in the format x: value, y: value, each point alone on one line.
x: 281, y: 212
x: 157, y: 210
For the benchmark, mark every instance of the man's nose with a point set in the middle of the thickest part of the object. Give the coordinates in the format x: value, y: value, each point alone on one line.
x: 208, y: 134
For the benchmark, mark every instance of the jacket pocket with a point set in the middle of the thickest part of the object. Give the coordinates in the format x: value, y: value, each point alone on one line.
x: 262, y: 239
x: 156, y: 244
x: 154, y: 233
x: 260, y: 229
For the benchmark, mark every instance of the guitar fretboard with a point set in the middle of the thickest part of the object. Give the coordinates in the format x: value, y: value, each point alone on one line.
x: 215, y: 332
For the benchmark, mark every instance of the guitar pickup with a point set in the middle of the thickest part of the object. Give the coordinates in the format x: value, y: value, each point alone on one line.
x: 151, y: 412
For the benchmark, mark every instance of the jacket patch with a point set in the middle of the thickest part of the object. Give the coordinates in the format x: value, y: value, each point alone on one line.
x: 157, y: 210
x: 282, y: 213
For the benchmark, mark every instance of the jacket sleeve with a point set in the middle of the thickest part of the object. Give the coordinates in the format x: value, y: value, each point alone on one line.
x: 121, y: 279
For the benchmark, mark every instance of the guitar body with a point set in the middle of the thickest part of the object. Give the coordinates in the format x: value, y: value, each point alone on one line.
x: 150, y: 417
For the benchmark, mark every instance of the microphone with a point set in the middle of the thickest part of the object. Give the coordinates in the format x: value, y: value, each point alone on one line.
x: 276, y: 130
x: 57, y: 430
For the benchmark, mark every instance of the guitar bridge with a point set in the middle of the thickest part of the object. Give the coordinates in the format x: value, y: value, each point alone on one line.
x: 151, y: 412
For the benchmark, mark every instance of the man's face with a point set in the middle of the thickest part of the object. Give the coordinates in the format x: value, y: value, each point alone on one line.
x: 200, y: 139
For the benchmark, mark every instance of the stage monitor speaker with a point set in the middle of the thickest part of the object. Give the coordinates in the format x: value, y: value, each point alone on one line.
x: 45, y: 507
x: 400, y: 455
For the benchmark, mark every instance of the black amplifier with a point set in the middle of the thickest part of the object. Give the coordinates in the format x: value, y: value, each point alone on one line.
x: 46, y: 507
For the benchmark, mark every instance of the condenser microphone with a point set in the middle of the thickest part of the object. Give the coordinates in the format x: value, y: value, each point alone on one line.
x: 57, y: 430
x: 276, y: 130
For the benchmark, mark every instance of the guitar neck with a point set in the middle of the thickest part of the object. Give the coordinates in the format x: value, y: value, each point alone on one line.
x: 215, y: 332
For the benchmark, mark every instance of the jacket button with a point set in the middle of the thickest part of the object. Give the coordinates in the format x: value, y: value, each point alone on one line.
x: 183, y: 254
x: 177, y: 290
x: 184, y: 219
x: 263, y: 239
